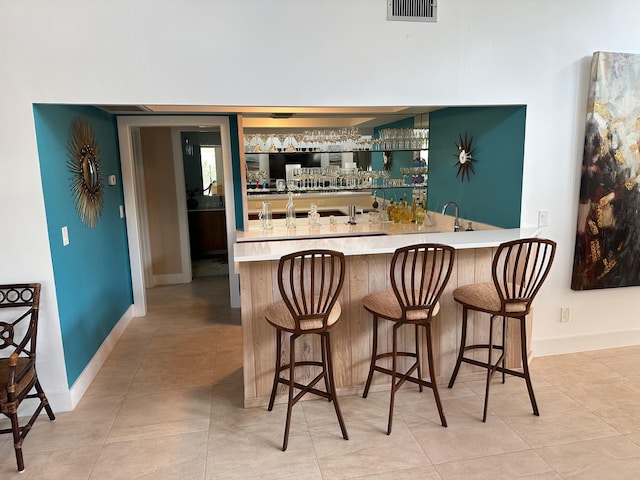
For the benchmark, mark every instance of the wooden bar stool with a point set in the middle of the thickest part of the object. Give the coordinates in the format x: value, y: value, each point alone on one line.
x: 519, y: 269
x: 419, y: 274
x: 309, y: 282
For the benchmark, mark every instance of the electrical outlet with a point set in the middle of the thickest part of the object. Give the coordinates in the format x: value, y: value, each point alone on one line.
x: 564, y: 314
x: 543, y: 218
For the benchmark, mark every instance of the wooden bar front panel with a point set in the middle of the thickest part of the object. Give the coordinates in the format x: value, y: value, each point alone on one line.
x: 352, y: 335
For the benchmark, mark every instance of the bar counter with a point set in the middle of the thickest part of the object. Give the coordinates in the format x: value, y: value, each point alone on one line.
x: 368, y: 249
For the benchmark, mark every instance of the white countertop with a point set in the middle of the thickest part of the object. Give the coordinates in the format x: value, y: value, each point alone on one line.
x: 361, y: 239
x: 342, y: 228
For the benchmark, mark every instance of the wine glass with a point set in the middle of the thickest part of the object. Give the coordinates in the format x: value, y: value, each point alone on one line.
x: 385, y: 174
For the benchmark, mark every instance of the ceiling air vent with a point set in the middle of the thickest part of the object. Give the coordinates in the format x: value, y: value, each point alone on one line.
x: 412, y: 10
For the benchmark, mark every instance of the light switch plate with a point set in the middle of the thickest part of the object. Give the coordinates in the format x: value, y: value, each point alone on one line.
x: 65, y: 236
x: 543, y: 218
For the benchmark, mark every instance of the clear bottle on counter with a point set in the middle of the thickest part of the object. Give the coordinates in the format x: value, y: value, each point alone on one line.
x: 265, y: 216
x: 314, y: 216
x: 291, y: 212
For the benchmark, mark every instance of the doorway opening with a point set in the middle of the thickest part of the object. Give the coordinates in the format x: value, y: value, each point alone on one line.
x: 133, y: 186
x: 205, y: 188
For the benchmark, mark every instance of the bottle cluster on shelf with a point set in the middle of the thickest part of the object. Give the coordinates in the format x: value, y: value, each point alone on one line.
x: 401, y: 211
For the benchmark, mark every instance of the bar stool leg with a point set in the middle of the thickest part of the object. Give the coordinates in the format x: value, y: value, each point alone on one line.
x: 489, y: 369
x: 394, y: 367
x: 504, y: 343
x: 276, y: 376
x: 418, y: 357
x: 325, y: 368
x: 374, y: 353
x: 525, y: 364
x: 332, y: 386
x: 292, y: 362
x: 432, y: 374
x: 463, y: 343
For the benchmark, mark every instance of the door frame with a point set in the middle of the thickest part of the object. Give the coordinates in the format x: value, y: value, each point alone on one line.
x: 138, y: 247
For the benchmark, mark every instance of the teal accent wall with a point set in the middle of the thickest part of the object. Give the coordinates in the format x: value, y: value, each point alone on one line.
x: 92, y: 274
x: 193, y: 174
x: 494, y: 193
x: 235, y: 160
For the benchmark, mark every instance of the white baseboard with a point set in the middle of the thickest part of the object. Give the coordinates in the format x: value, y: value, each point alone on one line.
x: 585, y: 343
x: 82, y: 383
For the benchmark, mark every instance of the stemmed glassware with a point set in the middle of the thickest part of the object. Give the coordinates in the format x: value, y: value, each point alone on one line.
x: 385, y: 174
x: 340, y: 140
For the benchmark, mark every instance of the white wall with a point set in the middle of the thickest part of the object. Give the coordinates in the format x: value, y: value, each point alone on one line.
x: 319, y: 52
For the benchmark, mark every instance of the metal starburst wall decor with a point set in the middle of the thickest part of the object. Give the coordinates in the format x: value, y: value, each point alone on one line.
x: 464, y: 158
x: 84, y: 165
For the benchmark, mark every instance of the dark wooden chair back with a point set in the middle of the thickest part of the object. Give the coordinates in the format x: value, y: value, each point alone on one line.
x: 519, y: 269
x: 419, y: 274
x: 310, y: 282
x: 19, y: 306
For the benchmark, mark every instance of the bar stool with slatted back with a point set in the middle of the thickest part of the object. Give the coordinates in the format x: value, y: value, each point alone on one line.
x: 419, y: 275
x: 19, y: 306
x: 310, y: 282
x: 519, y: 268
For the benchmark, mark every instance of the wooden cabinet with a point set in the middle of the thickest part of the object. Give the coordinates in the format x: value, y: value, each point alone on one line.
x: 207, y: 232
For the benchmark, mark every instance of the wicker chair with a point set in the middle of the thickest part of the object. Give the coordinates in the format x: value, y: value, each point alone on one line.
x: 19, y: 306
x: 419, y: 274
x: 519, y: 269
x: 309, y: 283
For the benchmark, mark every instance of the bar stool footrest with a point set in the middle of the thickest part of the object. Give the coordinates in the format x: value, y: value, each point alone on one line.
x: 405, y: 376
x: 497, y: 368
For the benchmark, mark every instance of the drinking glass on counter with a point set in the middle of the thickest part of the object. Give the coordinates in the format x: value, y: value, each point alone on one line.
x: 266, y: 216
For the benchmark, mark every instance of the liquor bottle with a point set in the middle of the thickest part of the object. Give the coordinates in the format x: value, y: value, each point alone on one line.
x: 420, y: 215
x: 391, y: 208
x: 405, y: 216
x: 291, y: 212
x: 414, y: 206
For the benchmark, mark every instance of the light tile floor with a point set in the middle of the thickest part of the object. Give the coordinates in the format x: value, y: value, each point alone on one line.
x: 167, y: 404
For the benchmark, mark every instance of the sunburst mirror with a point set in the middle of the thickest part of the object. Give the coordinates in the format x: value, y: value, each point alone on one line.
x: 84, y: 164
x: 464, y: 158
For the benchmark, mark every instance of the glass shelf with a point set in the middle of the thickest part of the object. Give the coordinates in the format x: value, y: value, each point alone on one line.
x: 285, y: 152
x: 274, y: 191
x: 346, y: 139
